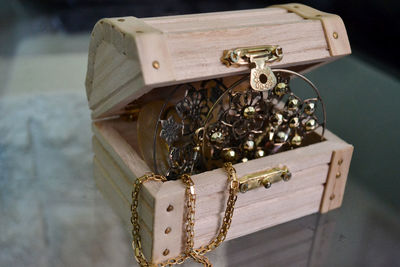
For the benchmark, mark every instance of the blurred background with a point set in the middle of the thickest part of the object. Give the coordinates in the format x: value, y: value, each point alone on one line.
x: 50, y: 211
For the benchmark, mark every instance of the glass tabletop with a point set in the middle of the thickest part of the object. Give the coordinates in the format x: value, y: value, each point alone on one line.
x: 363, y: 232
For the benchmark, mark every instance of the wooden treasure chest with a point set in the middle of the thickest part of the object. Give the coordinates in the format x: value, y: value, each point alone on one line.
x: 203, y: 105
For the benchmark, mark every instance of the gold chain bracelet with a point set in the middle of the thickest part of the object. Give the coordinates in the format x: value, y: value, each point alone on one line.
x: 190, y: 252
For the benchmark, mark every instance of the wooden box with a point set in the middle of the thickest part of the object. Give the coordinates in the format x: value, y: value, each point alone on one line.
x: 131, y: 59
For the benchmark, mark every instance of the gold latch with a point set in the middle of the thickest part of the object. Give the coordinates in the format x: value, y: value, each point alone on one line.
x: 262, y: 78
x: 264, y: 178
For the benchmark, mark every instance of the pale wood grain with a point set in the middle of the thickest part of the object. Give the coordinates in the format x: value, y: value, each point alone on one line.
x: 188, y: 48
x: 174, y: 219
x: 122, y: 156
x: 337, y: 177
x: 209, y: 204
x: 125, y: 157
x: 242, y: 15
x: 334, y: 29
x: 247, y: 219
x: 309, y: 166
x: 296, y: 160
x: 263, y: 214
x: 215, y: 181
x: 114, y: 71
x: 215, y: 202
x: 203, y: 22
x: 120, y: 205
x: 123, y: 185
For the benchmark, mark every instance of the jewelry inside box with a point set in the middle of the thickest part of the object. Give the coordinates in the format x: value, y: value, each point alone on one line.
x: 213, y: 123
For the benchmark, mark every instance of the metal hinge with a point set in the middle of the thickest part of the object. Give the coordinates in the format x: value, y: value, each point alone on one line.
x: 262, y: 78
x: 264, y: 178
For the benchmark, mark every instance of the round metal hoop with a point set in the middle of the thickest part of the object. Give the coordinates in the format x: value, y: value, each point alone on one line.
x: 245, y: 78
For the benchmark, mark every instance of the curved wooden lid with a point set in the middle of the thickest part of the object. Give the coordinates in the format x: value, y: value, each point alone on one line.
x: 128, y: 56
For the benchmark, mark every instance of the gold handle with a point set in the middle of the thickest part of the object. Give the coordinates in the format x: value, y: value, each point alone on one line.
x: 246, y: 55
x: 261, y: 76
x: 264, y: 178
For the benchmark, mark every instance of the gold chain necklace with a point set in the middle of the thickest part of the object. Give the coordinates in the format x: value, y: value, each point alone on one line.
x: 190, y: 252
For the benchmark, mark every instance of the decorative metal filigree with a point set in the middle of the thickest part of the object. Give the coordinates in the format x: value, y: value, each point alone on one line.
x: 261, y: 123
x: 171, y: 131
x: 246, y: 113
x: 247, y: 124
x: 181, y: 160
x: 219, y: 135
x: 192, y: 109
x: 289, y: 124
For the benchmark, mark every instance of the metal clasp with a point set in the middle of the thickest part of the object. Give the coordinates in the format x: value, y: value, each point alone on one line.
x: 264, y: 178
x: 262, y: 78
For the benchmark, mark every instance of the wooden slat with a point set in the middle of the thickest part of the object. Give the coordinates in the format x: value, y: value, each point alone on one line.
x: 337, y: 177
x: 304, y: 178
x: 308, y: 164
x: 125, y: 157
x: 120, y: 179
x: 207, y: 205
x: 215, y: 181
x: 223, y: 20
x: 118, y: 98
x: 247, y: 14
x: 120, y: 206
x: 114, y: 70
x: 246, y: 220
x: 188, y: 48
x: 123, y: 185
x: 261, y: 215
x: 121, y: 151
x: 296, y: 160
x: 127, y: 36
x: 215, y: 202
x: 334, y: 29
x: 195, y: 57
x: 174, y: 219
